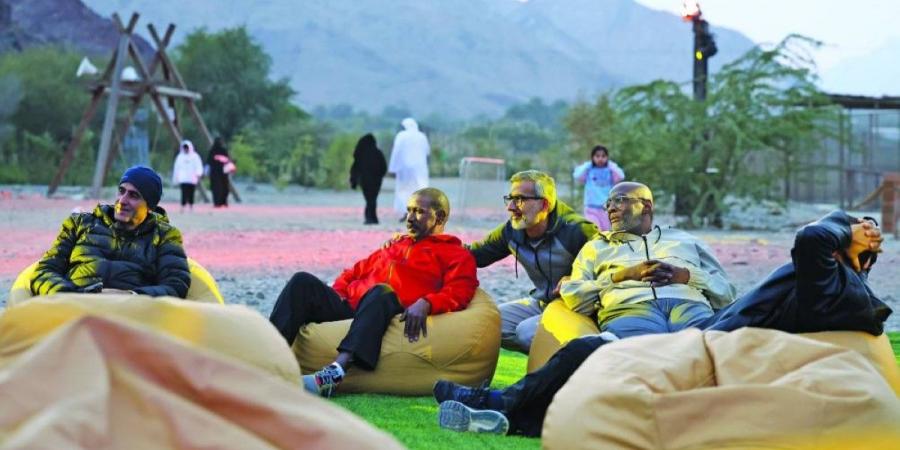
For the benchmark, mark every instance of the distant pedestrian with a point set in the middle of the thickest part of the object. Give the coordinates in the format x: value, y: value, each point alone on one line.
x: 187, y: 172
x: 367, y: 171
x: 598, y: 176
x: 409, y: 162
x: 220, y: 165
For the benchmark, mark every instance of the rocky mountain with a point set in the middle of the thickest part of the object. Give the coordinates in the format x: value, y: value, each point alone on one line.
x: 456, y: 57
x: 30, y: 23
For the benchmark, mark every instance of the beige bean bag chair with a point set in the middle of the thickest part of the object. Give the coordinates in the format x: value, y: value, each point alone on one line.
x: 559, y: 325
x: 107, y: 383
x: 461, y: 346
x: 203, y: 285
x: 750, y: 388
x: 230, y: 330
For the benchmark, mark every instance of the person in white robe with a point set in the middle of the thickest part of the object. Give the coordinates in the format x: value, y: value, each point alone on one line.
x: 409, y: 163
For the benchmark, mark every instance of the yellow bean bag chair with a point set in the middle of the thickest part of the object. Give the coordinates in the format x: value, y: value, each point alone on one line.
x: 234, y: 331
x: 750, y: 388
x: 203, y: 285
x: 559, y: 325
x: 105, y: 383
x: 461, y: 346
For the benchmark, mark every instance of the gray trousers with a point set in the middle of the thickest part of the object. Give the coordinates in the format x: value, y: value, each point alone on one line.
x: 519, y: 321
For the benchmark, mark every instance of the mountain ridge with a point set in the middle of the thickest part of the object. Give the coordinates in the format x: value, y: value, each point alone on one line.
x: 458, y: 58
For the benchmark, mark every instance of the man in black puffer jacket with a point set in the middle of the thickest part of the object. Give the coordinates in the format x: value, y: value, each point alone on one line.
x: 126, y: 247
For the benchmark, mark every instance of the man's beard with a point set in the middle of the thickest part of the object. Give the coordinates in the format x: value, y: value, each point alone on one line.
x: 520, y: 223
x: 626, y: 222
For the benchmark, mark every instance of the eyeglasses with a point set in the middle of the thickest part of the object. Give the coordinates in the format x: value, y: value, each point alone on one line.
x: 619, y: 201
x: 519, y: 199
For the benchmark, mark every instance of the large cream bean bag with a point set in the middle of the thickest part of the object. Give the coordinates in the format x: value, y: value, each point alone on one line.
x: 751, y: 388
x: 559, y: 325
x: 203, y: 285
x: 109, y: 383
x: 461, y: 346
x: 230, y: 330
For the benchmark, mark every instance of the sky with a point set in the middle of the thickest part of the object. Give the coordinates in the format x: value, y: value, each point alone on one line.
x: 862, y: 37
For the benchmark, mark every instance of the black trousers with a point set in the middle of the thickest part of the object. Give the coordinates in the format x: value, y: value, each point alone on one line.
x: 187, y: 193
x: 306, y: 299
x: 526, y: 402
x: 218, y: 183
x: 370, y: 193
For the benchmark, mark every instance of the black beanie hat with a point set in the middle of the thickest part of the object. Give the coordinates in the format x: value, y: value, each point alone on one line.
x: 146, y: 181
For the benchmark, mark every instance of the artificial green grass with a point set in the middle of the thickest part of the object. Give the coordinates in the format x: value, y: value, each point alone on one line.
x: 413, y: 420
x: 895, y: 344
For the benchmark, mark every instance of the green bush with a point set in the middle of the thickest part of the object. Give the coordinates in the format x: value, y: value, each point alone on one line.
x: 336, y: 162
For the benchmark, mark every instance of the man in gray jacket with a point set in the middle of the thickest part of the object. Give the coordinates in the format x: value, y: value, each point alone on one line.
x: 544, y: 234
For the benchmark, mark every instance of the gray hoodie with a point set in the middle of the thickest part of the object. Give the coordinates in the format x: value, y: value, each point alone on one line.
x: 592, y: 286
x: 546, y: 259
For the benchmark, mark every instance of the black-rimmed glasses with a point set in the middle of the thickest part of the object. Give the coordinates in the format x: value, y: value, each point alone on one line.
x: 519, y: 199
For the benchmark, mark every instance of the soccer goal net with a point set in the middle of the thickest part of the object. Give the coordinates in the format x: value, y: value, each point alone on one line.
x: 482, y: 184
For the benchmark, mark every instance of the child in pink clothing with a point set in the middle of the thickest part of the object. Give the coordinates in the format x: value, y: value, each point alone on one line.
x: 598, y: 176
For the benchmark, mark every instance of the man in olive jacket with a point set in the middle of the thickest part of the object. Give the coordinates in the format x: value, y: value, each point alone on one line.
x: 126, y: 247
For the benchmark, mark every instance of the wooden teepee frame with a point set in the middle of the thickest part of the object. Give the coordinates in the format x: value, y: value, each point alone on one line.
x: 162, y: 91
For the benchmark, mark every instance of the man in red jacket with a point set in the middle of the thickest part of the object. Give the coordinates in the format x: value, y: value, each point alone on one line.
x: 422, y: 273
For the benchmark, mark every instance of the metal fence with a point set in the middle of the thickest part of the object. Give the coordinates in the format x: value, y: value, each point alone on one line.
x: 849, y: 166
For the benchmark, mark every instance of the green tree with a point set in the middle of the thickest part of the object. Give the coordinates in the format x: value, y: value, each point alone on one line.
x: 41, y: 113
x: 231, y: 71
x: 547, y: 116
x: 764, y: 103
x: 290, y: 152
x: 337, y: 160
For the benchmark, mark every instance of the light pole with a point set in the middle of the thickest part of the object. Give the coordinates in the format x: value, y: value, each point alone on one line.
x: 704, y: 46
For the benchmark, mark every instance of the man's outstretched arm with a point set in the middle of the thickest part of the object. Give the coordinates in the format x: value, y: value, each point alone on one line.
x: 491, y: 249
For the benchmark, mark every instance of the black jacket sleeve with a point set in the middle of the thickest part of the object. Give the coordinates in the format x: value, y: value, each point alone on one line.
x: 493, y: 248
x: 51, y: 273
x: 818, y: 272
x: 172, y: 272
x: 832, y: 295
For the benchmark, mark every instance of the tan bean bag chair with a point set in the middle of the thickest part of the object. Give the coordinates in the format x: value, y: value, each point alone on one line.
x: 461, y: 346
x: 559, y: 325
x: 203, y: 285
x: 231, y: 330
x: 106, y: 383
x: 750, y: 388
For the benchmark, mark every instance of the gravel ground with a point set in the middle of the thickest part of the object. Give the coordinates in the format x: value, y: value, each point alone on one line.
x: 253, y: 247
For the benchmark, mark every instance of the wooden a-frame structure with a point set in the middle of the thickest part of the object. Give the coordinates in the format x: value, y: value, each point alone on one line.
x: 162, y: 91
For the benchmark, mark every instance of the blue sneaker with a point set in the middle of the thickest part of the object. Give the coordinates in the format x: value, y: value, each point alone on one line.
x: 325, y: 381
x: 456, y: 416
x: 475, y: 397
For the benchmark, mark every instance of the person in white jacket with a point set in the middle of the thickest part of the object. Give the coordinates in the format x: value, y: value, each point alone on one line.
x: 409, y: 163
x: 187, y: 172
